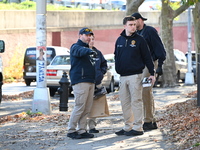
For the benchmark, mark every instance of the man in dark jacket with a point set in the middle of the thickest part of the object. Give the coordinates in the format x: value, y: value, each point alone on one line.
x: 131, y: 57
x: 101, y: 68
x: 158, y: 55
x: 82, y: 76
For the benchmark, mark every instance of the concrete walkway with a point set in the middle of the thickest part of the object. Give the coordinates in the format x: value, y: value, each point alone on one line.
x: 51, y: 136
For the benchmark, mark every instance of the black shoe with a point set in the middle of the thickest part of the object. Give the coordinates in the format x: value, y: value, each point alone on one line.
x: 121, y: 132
x: 147, y: 126
x: 74, y: 135
x: 86, y: 135
x: 93, y: 130
x: 133, y: 133
x: 155, y: 125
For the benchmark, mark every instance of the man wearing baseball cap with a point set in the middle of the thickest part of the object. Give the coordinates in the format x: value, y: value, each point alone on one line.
x: 158, y: 55
x: 82, y: 76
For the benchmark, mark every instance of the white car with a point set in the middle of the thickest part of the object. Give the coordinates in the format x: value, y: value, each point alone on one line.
x: 61, y: 64
x: 111, y: 66
x: 181, y: 65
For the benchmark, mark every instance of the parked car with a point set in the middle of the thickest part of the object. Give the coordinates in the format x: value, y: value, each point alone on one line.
x: 60, y: 64
x: 29, y: 68
x: 117, y: 4
x: 193, y: 64
x: 111, y: 65
x: 147, y: 5
x: 180, y: 64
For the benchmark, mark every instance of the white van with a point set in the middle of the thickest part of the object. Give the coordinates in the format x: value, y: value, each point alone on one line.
x: 29, y: 68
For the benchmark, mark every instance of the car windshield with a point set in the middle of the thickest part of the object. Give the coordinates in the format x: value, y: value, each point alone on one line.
x: 61, y: 60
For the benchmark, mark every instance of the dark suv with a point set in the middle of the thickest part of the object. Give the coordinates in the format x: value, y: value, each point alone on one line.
x: 29, y: 68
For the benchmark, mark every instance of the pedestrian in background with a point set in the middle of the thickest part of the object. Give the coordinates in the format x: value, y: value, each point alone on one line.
x: 131, y: 57
x: 101, y: 68
x: 158, y: 55
x: 82, y: 76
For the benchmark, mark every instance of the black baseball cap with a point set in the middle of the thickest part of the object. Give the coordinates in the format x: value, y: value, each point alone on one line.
x: 86, y: 31
x: 138, y: 15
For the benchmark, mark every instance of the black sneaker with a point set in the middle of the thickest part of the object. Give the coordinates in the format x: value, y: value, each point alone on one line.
x: 93, y: 130
x: 133, y: 133
x: 121, y: 132
x: 147, y: 126
x: 86, y: 135
x: 74, y: 135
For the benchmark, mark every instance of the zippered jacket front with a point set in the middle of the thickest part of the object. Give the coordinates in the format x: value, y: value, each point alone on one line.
x: 82, y: 63
x: 132, y: 55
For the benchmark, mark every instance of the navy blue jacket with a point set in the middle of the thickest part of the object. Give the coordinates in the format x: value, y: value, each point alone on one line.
x: 82, y: 64
x: 131, y: 55
x: 100, y: 65
x: 154, y: 42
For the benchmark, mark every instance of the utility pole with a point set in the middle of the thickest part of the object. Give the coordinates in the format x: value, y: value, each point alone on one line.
x: 41, y: 98
x: 189, y: 77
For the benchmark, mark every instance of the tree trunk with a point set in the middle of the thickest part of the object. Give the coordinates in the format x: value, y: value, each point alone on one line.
x: 132, y: 6
x: 169, y: 75
x: 196, y: 18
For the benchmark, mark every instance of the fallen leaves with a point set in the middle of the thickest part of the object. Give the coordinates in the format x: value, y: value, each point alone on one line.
x: 24, y: 117
x: 181, y: 122
x: 20, y: 96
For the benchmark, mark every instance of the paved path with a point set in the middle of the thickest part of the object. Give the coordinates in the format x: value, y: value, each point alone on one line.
x: 51, y: 136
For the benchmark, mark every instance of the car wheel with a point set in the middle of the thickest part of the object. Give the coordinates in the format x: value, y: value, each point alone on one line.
x: 178, y: 77
x: 112, y: 86
x: 28, y: 82
x: 52, y: 91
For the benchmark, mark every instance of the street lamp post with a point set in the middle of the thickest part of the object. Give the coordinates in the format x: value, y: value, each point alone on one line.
x: 189, y: 77
x: 41, y: 98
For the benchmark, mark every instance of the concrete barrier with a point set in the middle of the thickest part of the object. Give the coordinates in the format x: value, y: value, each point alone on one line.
x: 25, y: 20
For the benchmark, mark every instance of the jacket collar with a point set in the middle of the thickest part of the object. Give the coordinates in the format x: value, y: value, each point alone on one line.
x: 81, y: 43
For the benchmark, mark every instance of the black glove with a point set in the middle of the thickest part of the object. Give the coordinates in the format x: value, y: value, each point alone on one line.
x: 159, y: 70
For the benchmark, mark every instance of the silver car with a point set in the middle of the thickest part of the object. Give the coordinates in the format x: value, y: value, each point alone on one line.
x: 60, y: 64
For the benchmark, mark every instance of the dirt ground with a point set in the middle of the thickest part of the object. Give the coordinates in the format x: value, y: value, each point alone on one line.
x: 21, y: 131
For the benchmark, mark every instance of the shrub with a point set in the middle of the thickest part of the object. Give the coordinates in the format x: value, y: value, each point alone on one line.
x: 14, y: 71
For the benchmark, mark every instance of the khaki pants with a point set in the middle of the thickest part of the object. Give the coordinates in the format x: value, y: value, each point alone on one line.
x: 83, y: 93
x: 130, y: 94
x: 92, y: 123
x: 148, y: 99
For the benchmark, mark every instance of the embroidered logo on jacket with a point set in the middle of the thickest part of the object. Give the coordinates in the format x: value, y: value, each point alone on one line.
x: 133, y: 43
